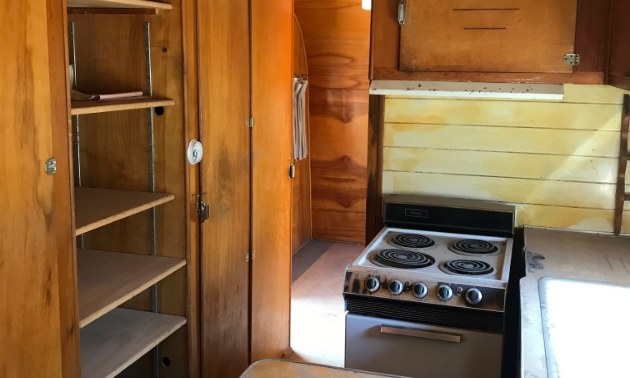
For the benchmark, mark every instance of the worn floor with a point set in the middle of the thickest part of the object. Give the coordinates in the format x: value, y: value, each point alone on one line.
x: 317, y: 308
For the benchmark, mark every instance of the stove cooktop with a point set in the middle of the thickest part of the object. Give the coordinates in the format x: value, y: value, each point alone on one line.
x: 433, y: 267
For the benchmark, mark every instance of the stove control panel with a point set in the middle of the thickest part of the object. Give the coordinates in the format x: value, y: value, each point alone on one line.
x: 439, y: 292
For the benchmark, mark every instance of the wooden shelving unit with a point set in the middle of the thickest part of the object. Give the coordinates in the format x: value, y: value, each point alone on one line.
x: 108, y: 279
x: 118, y: 4
x: 95, y: 208
x: 119, y: 338
x: 94, y: 107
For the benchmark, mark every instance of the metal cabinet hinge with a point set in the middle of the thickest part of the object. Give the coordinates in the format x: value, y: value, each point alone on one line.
x: 250, y: 122
x: 250, y: 256
x: 572, y: 59
x: 291, y: 171
x: 51, y: 166
x: 402, y: 11
x: 203, y: 210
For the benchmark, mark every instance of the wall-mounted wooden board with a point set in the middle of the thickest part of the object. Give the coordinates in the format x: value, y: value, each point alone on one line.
x: 94, y: 107
x: 119, y: 4
x: 487, y: 36
x: 98, y: 207
x: 119, y: 338
x: 108, y: 279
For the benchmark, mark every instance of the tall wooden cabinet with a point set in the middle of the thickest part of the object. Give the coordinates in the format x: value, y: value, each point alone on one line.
x: 105, y: 266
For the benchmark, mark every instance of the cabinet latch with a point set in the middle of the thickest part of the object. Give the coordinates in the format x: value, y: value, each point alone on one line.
x: 203, y: 210
x: 51, y: 166
x: 402, y: 11
x: 572, y: 59
x: 291, y: 171
x: 250, y: 122
x: 250, y: 256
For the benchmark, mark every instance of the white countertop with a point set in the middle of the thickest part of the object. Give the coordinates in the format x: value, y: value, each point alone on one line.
x: 580, y: 317
x: 291, y: 369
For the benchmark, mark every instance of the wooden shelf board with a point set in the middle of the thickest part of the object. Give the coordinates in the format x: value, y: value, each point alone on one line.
x: 108, y: 279
x: 94, y: 107
x: 95, y: 208
x: 124, y: 4
x: 119, y: 338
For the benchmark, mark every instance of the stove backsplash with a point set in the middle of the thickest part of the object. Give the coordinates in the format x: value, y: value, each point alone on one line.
x: 555, y: 161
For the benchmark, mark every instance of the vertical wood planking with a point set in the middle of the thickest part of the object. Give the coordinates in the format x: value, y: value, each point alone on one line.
x: 272, y: 93
x: 29, y: 310
x: 373, y: 216
x: 337, y: 38
x: 301, y: 185
x: 224, y: 90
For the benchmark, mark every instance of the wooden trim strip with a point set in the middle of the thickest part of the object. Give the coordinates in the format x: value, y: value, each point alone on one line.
x: 373, y: 216
x: 620, y: 195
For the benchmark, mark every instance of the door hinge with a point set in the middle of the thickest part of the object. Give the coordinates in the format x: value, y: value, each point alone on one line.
x: 203, y: 210
x: 250, y: 256
x: 291, y: 171
x: 51, y: 166
x: 250, y: 122
x: 572, y: 59
x: 402, y: 11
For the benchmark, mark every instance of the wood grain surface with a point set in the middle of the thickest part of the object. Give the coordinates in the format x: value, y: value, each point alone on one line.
x: 301, y: 219
x: 119, y: 338
x: 114, y: 153
x: 488, y: 36
x: 29, y: 310
x: 224, y: 98
x: 96, y: 208
x: 336, y: 34
x: 64, y: 188
x: 272, y: 108
x: 108, y: 279
x: 590, y: 30
x: 559, y: 171
x: 93, y: 107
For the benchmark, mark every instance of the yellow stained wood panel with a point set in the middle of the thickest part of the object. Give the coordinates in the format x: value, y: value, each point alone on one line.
x: 525, y: 191
x: 504, y: 139
x: 501, y: 164
x: 596, y: 220
x: 504, y: 113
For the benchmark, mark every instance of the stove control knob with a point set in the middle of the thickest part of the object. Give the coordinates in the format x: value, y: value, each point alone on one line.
x: 372, y: 285
x: 473, y: 296
x: 419, y: 290
x: 395, y: 287
x: 444, y: 292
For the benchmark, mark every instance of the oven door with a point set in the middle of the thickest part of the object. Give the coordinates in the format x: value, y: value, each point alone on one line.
x: 420, y: 350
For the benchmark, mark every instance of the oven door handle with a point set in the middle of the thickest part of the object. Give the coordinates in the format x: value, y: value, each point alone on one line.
x: 451, y: 338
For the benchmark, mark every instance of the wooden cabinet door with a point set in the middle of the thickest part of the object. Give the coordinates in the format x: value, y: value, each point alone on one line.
x: 272, y: 93
x: 29, y: 297
x: 224, y: 89
x: 488, y: 35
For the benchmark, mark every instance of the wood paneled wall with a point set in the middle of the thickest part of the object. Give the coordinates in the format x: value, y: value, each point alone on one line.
x: 557, y: 161
x: 337, y: 38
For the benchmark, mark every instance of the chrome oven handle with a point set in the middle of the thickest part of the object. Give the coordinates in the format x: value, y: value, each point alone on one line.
x: 452, y: 338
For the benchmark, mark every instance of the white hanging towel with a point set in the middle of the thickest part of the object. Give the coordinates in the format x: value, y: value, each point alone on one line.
x: 300, y: 142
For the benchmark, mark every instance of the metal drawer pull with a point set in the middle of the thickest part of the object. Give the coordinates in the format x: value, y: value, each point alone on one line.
x: 421, y: 334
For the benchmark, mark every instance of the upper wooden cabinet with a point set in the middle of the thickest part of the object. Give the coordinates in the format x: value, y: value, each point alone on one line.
x: 490, y: 40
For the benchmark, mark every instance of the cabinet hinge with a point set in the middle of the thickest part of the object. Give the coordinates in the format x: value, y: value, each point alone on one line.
x: 51, y: 166
x: 572, y: 59
x: 402, y: 11
x: 291, y: 171
x: 250, y: 256
x: 203, y: 210
x: 250, y: 122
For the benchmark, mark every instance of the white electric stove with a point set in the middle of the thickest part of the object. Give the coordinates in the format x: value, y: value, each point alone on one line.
x: 427, y: 297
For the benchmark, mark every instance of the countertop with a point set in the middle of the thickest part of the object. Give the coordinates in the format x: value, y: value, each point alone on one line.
x: 584, y: 279
x: 290, y: 369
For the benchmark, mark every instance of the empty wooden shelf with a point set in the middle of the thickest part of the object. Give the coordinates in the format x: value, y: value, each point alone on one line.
x: 119, y: 338
x: 94, y: 107
x: 95, y: 208
x: 108, y: 279
x: 118, y: 4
